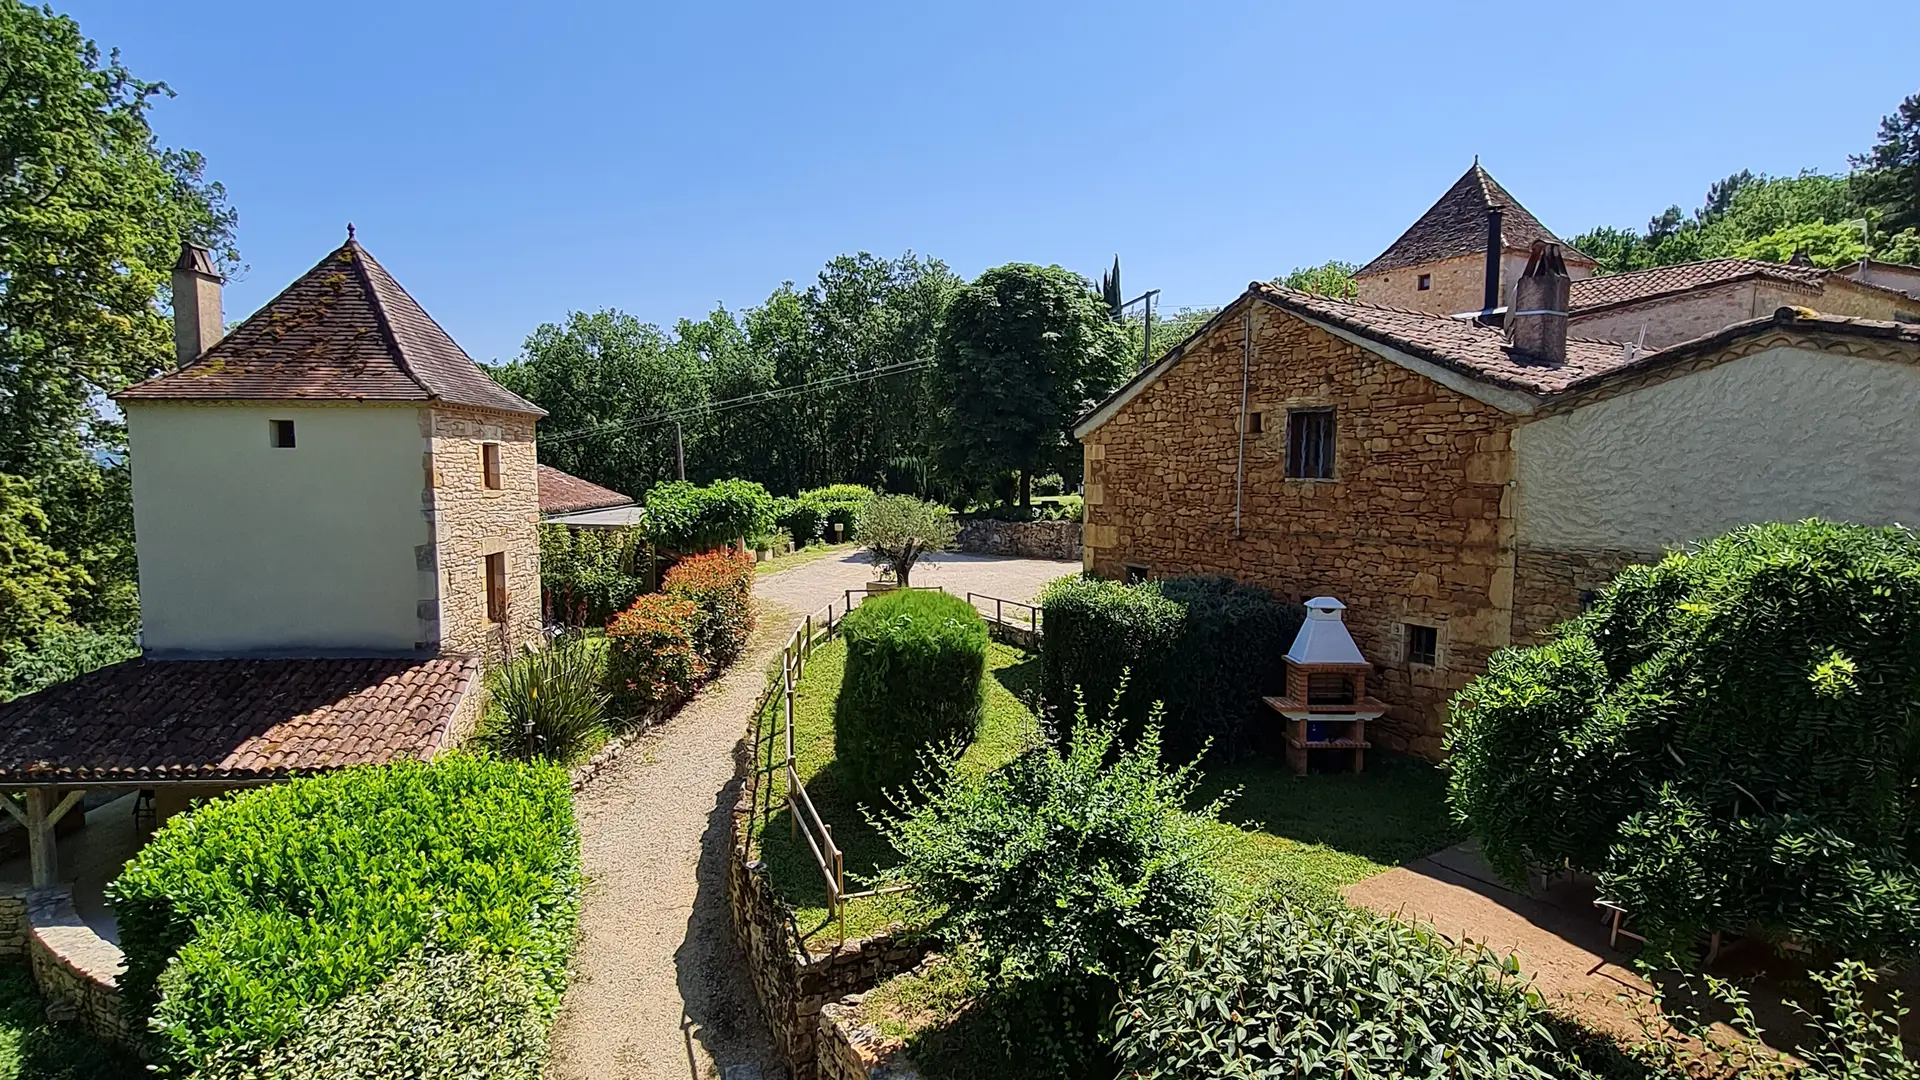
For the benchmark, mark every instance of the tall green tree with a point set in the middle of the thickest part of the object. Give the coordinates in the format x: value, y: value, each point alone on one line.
x: 1110, y: 290
x: 92, y: 212
x: 1888, y: 176
x: 37, y: 584
x: 1332, y: 278
x: 1746, y: 215
x: 1024, y: 351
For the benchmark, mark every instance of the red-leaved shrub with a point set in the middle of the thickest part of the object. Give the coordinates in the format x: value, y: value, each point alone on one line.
x: 652, y: 664
x: 720, y: 584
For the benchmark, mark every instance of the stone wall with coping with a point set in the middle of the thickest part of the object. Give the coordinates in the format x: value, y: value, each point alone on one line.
x: 472, y: 521
x: 1026, y: 539
x: 847, y: 1049
x: 77, y: 971
x: 13, y: 922
x: 1415, y: 527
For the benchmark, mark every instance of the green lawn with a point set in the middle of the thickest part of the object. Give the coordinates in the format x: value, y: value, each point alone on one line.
x: 1296, y: 833
x: 1005, y: 728
x: 33, y: 1049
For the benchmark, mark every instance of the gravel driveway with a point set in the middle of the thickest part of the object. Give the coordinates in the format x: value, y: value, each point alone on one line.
x: 659, y: 990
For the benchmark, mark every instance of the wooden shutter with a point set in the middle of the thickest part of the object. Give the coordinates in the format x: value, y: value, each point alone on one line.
x: 490, y: 465
x: 497, y: 587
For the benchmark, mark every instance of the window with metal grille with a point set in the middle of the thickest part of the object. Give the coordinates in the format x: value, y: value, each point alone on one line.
x: 1310, y: 444
x: 497, y: 587
x: 1423, y: 644
x: 490, y: 465
x: 281, y: 432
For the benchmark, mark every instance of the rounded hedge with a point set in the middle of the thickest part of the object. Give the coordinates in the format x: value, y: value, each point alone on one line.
x: 915, y: 664
x: 1328, y: 990
x: 1727, y: 740
x: 1206, y: 647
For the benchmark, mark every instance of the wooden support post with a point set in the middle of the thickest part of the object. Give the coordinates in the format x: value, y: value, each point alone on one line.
x: 42, y: 855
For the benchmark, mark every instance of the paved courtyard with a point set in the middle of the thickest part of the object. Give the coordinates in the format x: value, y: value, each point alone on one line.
x: 659, y: 988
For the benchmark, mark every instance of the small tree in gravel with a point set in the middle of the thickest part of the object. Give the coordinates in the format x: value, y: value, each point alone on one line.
x: 897, y: 529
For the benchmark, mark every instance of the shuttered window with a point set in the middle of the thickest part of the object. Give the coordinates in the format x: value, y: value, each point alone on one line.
x: 497, y: 587
x: 490, y: 464
x: 1310, y: 444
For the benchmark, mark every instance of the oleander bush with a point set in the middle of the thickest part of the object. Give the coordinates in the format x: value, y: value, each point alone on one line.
x: 799, y: 519
x: 1054, y: 876
x: 1292, y: 990
x: 683, y: 517
x: 549, y: 705
x: 246, y: 915
x: 1727, y: 740
x: 586, y: 575
x: 652, y: 662
x: 720, y: 585
x: 915, y: 664
x: 1207, y: 648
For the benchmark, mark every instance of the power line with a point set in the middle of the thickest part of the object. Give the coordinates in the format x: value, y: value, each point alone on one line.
x: 758, y: 397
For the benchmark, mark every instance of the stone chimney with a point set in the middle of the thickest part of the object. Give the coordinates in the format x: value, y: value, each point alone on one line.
x: 196, y: 303
x: 1496, y: 243
x: 1537, y: 325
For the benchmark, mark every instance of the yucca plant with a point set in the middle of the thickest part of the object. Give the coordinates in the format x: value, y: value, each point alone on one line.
x: 551, y: 704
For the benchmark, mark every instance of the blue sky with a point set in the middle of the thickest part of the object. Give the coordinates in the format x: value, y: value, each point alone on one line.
x: 510, y: 164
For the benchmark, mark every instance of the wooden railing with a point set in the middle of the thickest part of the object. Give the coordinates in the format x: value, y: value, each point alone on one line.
x: 775, y: 746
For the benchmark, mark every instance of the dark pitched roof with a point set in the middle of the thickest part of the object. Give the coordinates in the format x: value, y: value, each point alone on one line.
x: 345, y: 330
x: 565, y: 493
x: 231, y: 719
x: 1463, y: 345
x: 1457, y: 225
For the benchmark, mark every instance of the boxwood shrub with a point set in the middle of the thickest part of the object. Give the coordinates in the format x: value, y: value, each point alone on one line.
x: 915, y: 661
x: 1327, y: 990
x: 1729, y: 740
x: 1206, y: 647
x: 245, y: 917
x: 799, y: 519
x: 838, y: 504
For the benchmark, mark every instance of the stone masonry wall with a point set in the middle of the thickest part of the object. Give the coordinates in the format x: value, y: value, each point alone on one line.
x: 472, y: 522
x: 13, y: 922
x: 77, y: 971
x: 1026, y: 539
x: 1672, y: 320
x: 1550, y: 587
x: 849, y: 1050
x: 1415, y: 527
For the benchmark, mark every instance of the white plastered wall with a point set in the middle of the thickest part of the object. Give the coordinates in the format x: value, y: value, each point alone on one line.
x: 1783, y: 435
x: 246, y: 548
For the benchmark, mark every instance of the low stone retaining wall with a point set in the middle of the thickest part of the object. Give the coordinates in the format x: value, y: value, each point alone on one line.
x: 850, y: 1050
x: 13, y: 922
x: 794, y: 985
x: 1018, y: 635
x: 1027, y: 539
x: 77, y: 971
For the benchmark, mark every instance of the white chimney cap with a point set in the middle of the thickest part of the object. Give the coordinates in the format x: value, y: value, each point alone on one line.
x: 1323, y: 638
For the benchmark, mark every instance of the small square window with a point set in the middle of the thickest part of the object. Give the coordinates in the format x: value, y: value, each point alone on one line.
x: 490, y: 465
x: 1423, y: 645
x: 282, y: 433
x: 1425, y: 283
x: 497, y: 587
x: 1310, y: 444
x: 1256, y: 423
x: 1136, y: 574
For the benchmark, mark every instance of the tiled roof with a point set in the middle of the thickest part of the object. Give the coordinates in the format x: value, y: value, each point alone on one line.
x: 231, y: 719
x: 565, y: 493
x: 1646, y: 284
x: 1456, y: 225
x: 1461, y: 344
x: 345, y: 330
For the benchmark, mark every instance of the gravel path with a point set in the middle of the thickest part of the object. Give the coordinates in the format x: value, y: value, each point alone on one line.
x: 659, y: 991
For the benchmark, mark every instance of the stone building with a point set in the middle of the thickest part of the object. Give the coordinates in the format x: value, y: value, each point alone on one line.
x: 1462, y: 487
x: 1464, y: 257
x: 335, y: 515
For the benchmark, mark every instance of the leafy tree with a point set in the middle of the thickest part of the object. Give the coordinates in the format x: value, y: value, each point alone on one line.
x: 1024, y: 351
x: 92, y: 212
x: 1616, y: 250
x: 1332, y: 278
x: 1746, y: 215
x: 1826, y: 245
x: 1727, y: 739
x: 1888, y: 180
x: 36, y: 582
x: 897, y: 529
x: 1720, y: 194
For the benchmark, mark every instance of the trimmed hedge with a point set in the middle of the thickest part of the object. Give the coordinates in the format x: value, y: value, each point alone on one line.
x: 588, y: 574
x: 652, y: 662
x: 244, y: 916
x: 720, y: 585
x: 1303, y: 990
x: 1729, y: 740
x: 839, y: 504
x: 1206, y: 647
x: 799, y: 519
x: 915, y: 661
